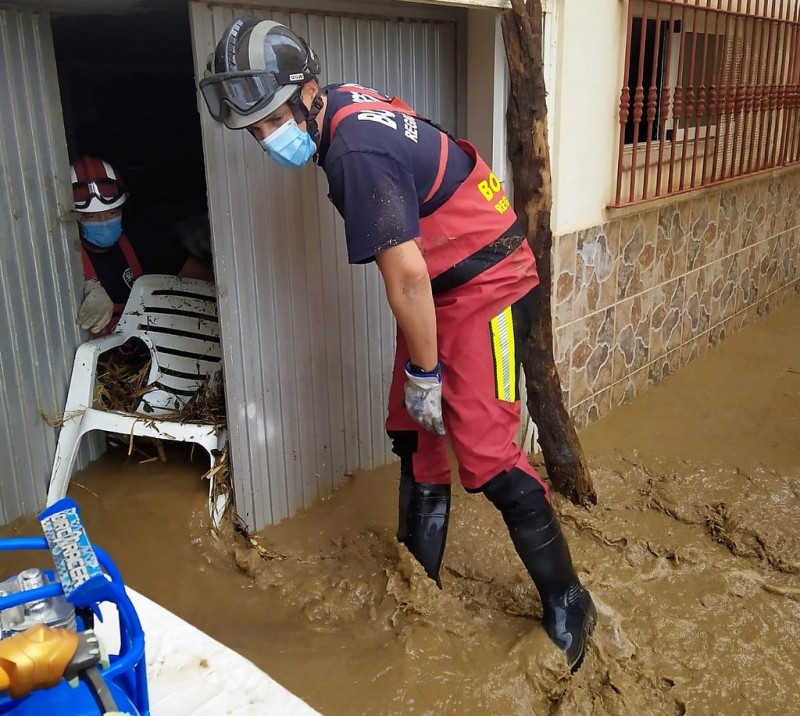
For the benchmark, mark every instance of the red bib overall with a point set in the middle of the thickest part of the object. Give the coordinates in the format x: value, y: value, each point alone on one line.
x: 475, y: 334
x: 89, y: 272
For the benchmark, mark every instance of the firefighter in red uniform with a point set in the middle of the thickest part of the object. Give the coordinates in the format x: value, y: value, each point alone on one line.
x: 458, y: 275
x: 112, y: 260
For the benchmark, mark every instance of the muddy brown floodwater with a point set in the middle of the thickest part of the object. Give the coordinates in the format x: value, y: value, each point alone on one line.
x: 692, y: 553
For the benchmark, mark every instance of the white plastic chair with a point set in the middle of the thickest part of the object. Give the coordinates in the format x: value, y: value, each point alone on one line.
x: 176, y: 318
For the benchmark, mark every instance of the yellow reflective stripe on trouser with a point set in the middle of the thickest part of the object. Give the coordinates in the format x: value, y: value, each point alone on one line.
x: 501, y: 328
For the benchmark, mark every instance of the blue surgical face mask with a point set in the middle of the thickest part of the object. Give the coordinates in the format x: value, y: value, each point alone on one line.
x: 102, y: 233
x: 289, y: 145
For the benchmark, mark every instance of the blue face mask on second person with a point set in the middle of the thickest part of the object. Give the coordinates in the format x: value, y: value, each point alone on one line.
x: 289, y: 145
x: 102, y: 233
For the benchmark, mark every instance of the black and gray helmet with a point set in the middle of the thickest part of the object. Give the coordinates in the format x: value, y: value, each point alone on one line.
x: 258, y: 66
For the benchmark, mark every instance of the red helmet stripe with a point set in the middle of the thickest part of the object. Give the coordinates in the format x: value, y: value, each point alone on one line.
x: 96, y: 185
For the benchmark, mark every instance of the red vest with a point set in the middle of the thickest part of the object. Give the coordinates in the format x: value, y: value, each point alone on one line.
x: 472, y: 218
x: 89, y: 272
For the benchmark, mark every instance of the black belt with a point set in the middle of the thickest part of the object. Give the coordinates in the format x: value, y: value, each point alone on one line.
x: 483, y: 259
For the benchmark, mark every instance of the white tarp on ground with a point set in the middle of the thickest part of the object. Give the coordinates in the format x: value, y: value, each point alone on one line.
x: 189, y: 673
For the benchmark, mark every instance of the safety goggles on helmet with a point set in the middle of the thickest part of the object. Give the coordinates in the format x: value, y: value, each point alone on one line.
x: 243, y: 92
x: 106, y: 191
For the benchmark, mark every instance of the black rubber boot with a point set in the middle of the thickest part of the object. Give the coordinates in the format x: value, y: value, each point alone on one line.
x: 428, y: 515
x: 569, y: 615
x: 404, y: 445
x: 404, y: 500
x: 569, y: 620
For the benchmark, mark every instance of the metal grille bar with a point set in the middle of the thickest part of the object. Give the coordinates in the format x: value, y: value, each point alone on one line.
x: 711, y: 93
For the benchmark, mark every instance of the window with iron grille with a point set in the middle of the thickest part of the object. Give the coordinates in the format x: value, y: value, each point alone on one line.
x: 711, y: 92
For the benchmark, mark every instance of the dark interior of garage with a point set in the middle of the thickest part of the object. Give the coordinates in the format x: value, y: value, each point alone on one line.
x: 128, y: 96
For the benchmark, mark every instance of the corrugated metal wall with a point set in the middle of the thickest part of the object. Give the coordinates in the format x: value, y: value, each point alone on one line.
x: 308, y: 339
x: 39, y: 269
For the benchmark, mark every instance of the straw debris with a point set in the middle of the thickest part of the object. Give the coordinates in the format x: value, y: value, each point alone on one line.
x: 123, y: 384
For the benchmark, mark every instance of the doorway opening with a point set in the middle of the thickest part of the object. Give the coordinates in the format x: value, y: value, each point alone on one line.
x: 128, y: 97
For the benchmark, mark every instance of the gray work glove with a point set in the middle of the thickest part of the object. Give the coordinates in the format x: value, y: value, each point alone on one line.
x: 423, y: 397
x: 97, y: 307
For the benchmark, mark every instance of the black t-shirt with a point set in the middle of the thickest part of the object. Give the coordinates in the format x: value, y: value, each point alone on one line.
x: 380, y: 167
x: 157, y: 250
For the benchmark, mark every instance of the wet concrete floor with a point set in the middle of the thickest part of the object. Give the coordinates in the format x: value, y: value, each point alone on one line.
x: 692, y: 553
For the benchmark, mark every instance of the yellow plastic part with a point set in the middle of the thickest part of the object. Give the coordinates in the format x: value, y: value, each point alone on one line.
x: 35, y: 659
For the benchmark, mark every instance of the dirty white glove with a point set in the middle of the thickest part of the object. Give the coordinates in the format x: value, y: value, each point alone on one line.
x: 97, y: 307
x: 423, y: 397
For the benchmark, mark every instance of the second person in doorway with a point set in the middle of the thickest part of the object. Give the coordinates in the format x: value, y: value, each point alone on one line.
x: 113, y: 255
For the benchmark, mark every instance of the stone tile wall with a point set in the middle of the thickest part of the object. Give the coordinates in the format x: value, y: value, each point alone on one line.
x: 642, y: 295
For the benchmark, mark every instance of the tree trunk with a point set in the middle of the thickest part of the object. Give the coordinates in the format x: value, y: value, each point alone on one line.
x: 530, y: 162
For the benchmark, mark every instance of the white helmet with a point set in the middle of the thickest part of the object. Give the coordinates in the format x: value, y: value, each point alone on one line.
x: 96, y: 186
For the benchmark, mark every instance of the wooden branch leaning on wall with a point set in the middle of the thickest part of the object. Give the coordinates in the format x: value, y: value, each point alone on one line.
x: 526, y: 120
